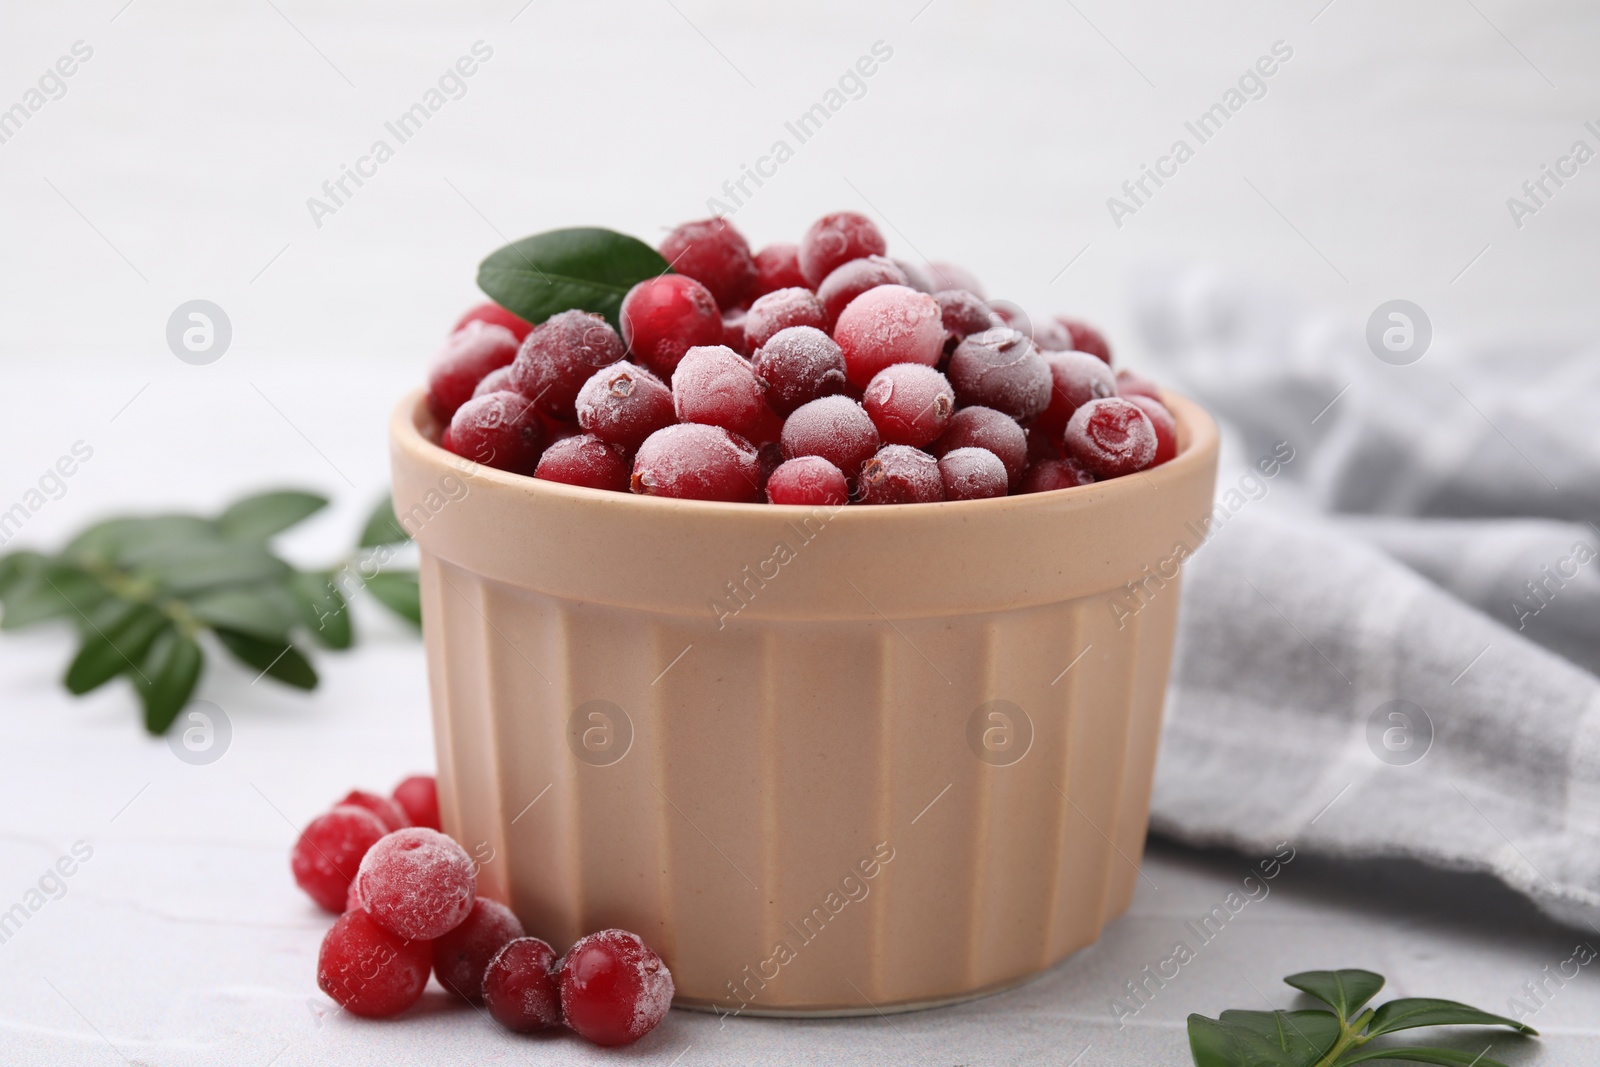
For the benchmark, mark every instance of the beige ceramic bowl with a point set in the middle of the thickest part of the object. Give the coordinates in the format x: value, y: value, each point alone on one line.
x: 825, y: 761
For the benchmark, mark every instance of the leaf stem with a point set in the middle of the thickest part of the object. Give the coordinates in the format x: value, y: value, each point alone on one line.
x: 1349, y: 1037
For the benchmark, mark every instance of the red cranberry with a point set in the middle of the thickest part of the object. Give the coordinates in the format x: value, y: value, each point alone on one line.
x: 972, y: 474
x: 614, y: 989
x: 899, y: 474
x: 918, y: 277
x: 962, y: 315
x: 560, y: 355
x: 1111, y: 437
x: 497, y: 381
x: 1130, y: 383
x: 691, y: 461
x: 888, y: 325
x: 497, y: 316
x: 850, y: 280
x: 1049, y: 335
x: 981, y: 427
x: 461, y: 956
x: 1000, y: 369
x: 1086, y: 338
x: 799, y: 364
x: 418, y: 797
x: 1076, y: 378
x: 836, y: 239
x: 910, y: 404
x: 585, y: 460
x: 1165, y: 425
x: 664, y: 317
x: 500, y: 430
x: 417, y: 883
x: 521, y: 987
x: 952, y: 276
x: 624, y: 404
x: 716, y: 386
x: 780, y: 310
x: 1048, y: 474
x: 834, y: 427
x: 328, y: 853
x: 778, y: 267
x: 369, y: 971
x: 809, y: 480
x: 388, y: 812
x: 469, y: 354
x: 733, y: 331
x: 714, y: 254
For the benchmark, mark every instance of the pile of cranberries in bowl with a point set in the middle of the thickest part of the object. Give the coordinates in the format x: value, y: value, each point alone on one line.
x: 822, y: 373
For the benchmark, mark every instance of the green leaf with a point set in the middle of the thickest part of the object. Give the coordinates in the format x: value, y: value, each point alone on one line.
x: 585, y: 267
x: 382, y: 527
x: 54, y: 591
x: 258, y: 517
x: 116, y: 646
x: 1305, y: 1035
x: 1344, y: 991
x: 181, y: 570
x: 1411, y: 1012
x: 399, y: 592
x: 267, y: 611
x: 1446, y: 1057
x: 1217, y: 1044
x: 171, y: 671
x: 323, y: 610
x: 16, y: 567
x: 279, y: 659
x: 118, y: 540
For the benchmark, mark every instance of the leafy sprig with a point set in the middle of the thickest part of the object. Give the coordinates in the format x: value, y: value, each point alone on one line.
x: 142, y: 589
x: 1317, y: 1038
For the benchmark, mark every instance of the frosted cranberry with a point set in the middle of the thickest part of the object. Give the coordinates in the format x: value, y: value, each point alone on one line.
x: 664, y: 317
x: 714, y: 254
x: 369, y: 971
x: 834, y: 427
x: 328, y: 853
x: 585, y: 460
x: 1001, y: 369
x: 1076, y: 378
x: 1086, y: 338
x: 496, y: 381
x: 1166, y: 427
x: 981, y: 427
x: 778, y: 267
x: 500, y: 430
x: 953, y: 276
x: 918, y: 277
x: 808, y: 480
x: 389, y: 813
x: 417, y: 883
x: 972, y: 474
x: 850, y: 280
x: 521, y: 987
x: 624, y: 404
x: 836, y: 239
x: 560, y: 355
x: 614, y: 989
x: 909, y: 403
x: 899, y: 474
x: 496, y: 315
x: 733, y: 331
x: 799, y: 364
x: 888, y: 325
x: 418, y: 797
x: 1049, y: 335
x: 469, y: 354
x: 715, y: 385
x: 780, y: 310
x: 1048, y: 474
x: 461, y: 956
x: 962, y: 315
x: 1111, y: 437
x: 691, y: 461
x: 352, y: 899
x: 1130, y: 384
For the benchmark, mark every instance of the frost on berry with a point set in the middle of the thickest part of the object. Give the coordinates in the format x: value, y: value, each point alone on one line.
x: 972, y: 474
x: 808, y: 480
x: 417, y: 883
x: 714, y: 254
x: 461, y: 956
x: 911, y: 404
x: 370, y: 971
x: 624, y: 404
x: 799, y: 364
x: 981, y: 427
x: 962, y: 315
x: 1047, y: 474
x: 585, y: 460
x: 780, y: 310
x: 733, y: 330
x: 836, y: 239
x: 899, y: 474
x: 500, y: 430
x: 1131, y: 383
x: 834, y: 427
x: 559, y: 355
x: 1086, y: 338
x: 1076, y: 378
x: 887, y: 325
x: 778, y: 267
x: 690, y: 461
x: 952, y: 276
x: 495, y: 315
x: 849, y: 280
x: 1000, y: 369
x: 468, y: 355
x: 1111, y: 437
x: 391, y: 814
x: 521, y: 986
x: 1166, y: 426
x: 717, y: 386
x: 328, y: 853
x: 614, y: 989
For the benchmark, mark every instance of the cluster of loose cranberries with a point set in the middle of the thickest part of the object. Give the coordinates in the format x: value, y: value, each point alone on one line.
x: 407, y: 901
x: 814, y: 374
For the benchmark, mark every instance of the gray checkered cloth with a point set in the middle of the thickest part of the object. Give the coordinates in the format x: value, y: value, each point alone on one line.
x: 1389, y: 647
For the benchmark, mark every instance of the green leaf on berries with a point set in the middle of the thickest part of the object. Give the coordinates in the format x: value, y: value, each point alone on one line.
x: 584, y: 267
x: 258, y: 517
x: 1411, y: 1012
x: 382, y: 527
x: 1343, y: 991
x: 399, y: 592
x: 278, y: 659
x: 323, y: 611
x: 171, y: 671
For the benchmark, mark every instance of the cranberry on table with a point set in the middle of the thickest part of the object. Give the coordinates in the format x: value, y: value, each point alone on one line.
x: 585, y: 460
x: 733, y: 330
x: 981, y: 427
x: 1111, y: 437
x: 714, y: 254
x: 900, y: 474
x: 972, y: 474
x: 1131, y: 383
x: 369, y: 971
x: 799, y: 364
x: 1001, y: 369
x: 500, y: 430
x: 521, y: 986
x: 887, y: 325
x: 391, y: 814
x: 461, y: 956
x: 808, y: 480
x: 778, y: 267
x: 417, y: 883
x: 849, y: 280
x: 496, y: 315
x: 1047, y: 474
x: 560, y: 355
x: 614, y: 988
x: 624, y: 404
x: 328, y: 853
x: 717, y: 386
x: 836, y: 239
x: 468, y: 354
x: 953, y: 276
x: 780, y: 310
x: 834, y: 427
x: 1165, y: 425
x: 909, y: 403
x: 1076, y: 378
x: 1086, y: 338
x: 664, y: 317
x: 962, y: 315
x: 691, y: 461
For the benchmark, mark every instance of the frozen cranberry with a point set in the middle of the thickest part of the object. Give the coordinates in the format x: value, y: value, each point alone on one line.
x: 624, y: 404
x: 664, y: 317
x: 778, y: 267
x: 972, y: 474
x: 834, y: 427
x: 1166, y: 427
x: 899, y: 474
x: 850, y: 280
x: 389, y: 813
x: 585, y: 460
x: 497, y: 316
x: 1001, y: 369
x: 614, y: 989
x: 418, y: 797
x: 918, y: 277
x: 496, y: 381
x: 1131, y: 383
x: 715, y: 385
x: 953, y: 276
x: 521, y: 987
x: 417, y: 883
x: 1049, y: 335
x: 981, y: 427
x: 461, y: 956
x: 1111, y: 437
x: 691, y: 461
x: 780, y: 310
x: 714, y: 254
x: 369, y: 971
x: 328, y: 853
x: 1076, y: 378
x: 469, y: 354
x: 1048, y: 474
x: 500, y: 430
x: 962, y: 315
x: 835, y: 239
x: 733, y: 331
x: 1086, y: 338
x: 888, y: 325
x: 808, y: 480
x: 910, y: 404
x: 799, y: 365
x: 560, y: 355
x: 352, y: 899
